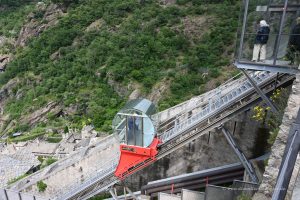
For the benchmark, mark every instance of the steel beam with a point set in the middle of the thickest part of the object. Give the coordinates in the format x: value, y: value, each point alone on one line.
x: 278, y: 39
x: 243, y: 29
x: 5, y: 193
x: 266, y: 67
x: 131, y: 193
x: 247, y: 165
x: 258, y: 90
x: 113, y: 194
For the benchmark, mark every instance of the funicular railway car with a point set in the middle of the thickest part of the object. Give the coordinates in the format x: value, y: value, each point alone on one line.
x: 137, y: 133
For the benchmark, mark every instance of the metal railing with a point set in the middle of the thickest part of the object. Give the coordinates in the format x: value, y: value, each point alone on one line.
x: 214, y: 105
x: 106, y: 169
x: 101, y: 180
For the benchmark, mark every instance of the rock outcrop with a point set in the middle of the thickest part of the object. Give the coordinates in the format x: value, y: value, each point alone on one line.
x: 6, y: 92
x: 4, y: 60
x: 36, y: 24
x: 95, y: 26
x: 167, y: 2
x: 38, y: 21
x: 159, y: 90
x: 41, y: 115
x: 120, y: 89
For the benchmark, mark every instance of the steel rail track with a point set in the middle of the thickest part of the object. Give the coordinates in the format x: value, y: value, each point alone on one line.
x: 218, y: 118
x: 223, y: 115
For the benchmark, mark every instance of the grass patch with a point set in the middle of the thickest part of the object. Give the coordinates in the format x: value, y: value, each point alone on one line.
x: 46, y: 161
x: 17, y: 179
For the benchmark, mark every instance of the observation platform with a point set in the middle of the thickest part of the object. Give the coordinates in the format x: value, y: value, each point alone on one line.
x: 269, y: 36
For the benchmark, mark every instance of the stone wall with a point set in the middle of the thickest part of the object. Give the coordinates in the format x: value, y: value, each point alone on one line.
x: 270, y: 175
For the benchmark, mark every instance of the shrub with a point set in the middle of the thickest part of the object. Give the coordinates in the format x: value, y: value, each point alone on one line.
x: 54, y: 139
x: 244, y: 197
x: 41, y: 186
x: 50, y: 160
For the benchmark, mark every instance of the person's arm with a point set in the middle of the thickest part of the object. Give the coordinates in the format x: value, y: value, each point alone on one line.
x: 259, y: 31
x: 259, y: 35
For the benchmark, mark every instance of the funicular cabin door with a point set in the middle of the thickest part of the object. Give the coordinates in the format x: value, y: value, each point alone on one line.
x: 134, y: 131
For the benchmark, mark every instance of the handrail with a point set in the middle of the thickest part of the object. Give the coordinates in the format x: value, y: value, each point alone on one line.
x: 212, y: 106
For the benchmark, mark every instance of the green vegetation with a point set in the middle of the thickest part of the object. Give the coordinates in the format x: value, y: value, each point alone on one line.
x: 12, y: 19
x: 40, y: 158
x: 268, y: 119
x: 54, y: 137
x: 273, y: 136
x: 41, y: 186
x: 65, y: 2
x: 244, y: 197
x: 136, y: 43
x: 101, y: 197
x: 35, y: 132
x: 17, y: 178
x: 14, y: 3
x: 46, y: 161
x: 50, y: 160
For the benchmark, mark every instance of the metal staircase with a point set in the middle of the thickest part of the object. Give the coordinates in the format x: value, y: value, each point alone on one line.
x: 213, y: 106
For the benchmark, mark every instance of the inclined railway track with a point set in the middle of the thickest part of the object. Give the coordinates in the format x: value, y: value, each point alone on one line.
x: 191, y: 130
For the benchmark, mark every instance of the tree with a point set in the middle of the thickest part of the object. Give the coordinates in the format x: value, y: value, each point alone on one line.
x: 65, y: 2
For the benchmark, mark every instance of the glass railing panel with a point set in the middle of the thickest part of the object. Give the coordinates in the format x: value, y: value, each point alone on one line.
x: 261, y: 38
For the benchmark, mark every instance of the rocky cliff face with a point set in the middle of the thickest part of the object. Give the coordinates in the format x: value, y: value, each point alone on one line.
x: 43, y: 17
x: 6, y: 92
x: 271, y: 173
x: 38, y: 21
x: 4, y: 60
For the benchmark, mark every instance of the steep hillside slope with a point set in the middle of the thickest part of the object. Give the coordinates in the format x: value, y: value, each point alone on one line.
x: 82, y: 69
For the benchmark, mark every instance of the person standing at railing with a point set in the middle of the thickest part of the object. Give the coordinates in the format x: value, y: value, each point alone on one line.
x: 294, y: 44
x: 261, y: 39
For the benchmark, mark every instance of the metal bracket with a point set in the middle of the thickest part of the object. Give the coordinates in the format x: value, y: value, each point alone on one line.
x: 247, y: 165
x: 258, y: 90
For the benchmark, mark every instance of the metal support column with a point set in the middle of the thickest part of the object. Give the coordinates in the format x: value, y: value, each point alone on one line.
x: 243, y: 29
x: 247, y: 165
x: 131, y: 193
x: 113, y: 194
x: 288, y: 162
x: 278, y: 39
x: 258, y: 90
x: 5, y: 193
x: 125, y: 194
